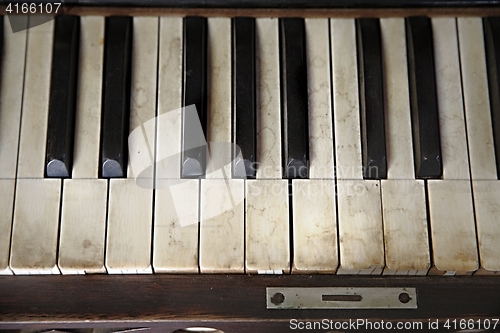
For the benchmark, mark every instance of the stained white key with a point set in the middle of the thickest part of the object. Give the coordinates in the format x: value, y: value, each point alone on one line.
x: 267, y: 226
x: 405, y: 218
x: 6, y: 204
x: 450, y: 103
x: 222, y: 226
x: 486, y: 199
x: 11, y: 94
x: 454, y: 243
x: 346, y: 100
x: 31, y: 161
x: 168, y: 138
x: 83, y: 226
x: 398, y: 115
x: 175, y: 248
x: 480, y: 139
x: 450, y: 200
x: 405, y: 225
x: 176, y: 226
x: 35, y: 227
x: 219, y: 97
x: 361, y: 251
x: 314, y: 226
x: 268, y: 99
x: 36, y: 214
x: 476, y: 99
x: 361, y: 241
x: 84, y: 201
x: 88, y: 115
x: 143, y: 93
x: 221, y: 199
x: 128, y: 247
x: 320, y: 94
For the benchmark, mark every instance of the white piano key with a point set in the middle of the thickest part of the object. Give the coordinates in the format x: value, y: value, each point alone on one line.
x: 450, y: 200
x: 83, y: 213
x: 175, y: 245
x: 405, y: 225
x: 268, y: 99
x: 88, y: 114
x: 222, y: 226
x: 487, y: 208
x: 314, y: 226
x: 83, y: 226
x: 168, y: 139
x: 219, y: 79
x: 11, y: 94
x: 400, y: 163
x: 219, y: 97
x: 476, y: 99
x: 450, y: 104
x: 35, y: 227
x: 128, y: 247
x: 346, y: 100
x: 453, y: 230
x: 31, y: 163
x: 405, y: 218
x: 176, y: 226
x: 6, y: 207
x: 143, y: 93
x: 320, y: 105
x: 361, y: 240
x: 128, y: 244
x: 267, y: 226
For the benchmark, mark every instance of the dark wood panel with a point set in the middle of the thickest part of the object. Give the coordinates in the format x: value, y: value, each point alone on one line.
x: 347, y: 12
x: 176, y: 300
x: 289, y: 3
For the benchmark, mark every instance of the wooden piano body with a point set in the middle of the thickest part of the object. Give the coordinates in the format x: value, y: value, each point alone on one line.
x: 237, y: 302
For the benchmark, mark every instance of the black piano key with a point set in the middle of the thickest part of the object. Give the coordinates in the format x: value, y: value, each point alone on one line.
x: 294, y: 98
x: 116, y: 96
x: 195, y: 57
x: 62, y: 98
x: 371, y: 98
x: 244, y: 129
x: 492, y: 42
x: 423, y: 98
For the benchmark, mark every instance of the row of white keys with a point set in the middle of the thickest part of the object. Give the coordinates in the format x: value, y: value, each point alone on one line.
x: 37, y: 200
x: 315, y: 230
x: 13, y: 60
x: 450, y: 199
x: 130, y: 207
x: 485, y: 186
x: 359, y: 205
x: 405, y: 219
x: 221, y: 201
x: 82, y: 240
x: 84, y: 203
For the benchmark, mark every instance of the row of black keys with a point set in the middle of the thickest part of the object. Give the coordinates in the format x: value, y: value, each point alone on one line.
x: 293, y: 68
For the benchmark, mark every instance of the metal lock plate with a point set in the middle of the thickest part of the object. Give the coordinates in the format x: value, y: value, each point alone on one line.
x: 341, y: 298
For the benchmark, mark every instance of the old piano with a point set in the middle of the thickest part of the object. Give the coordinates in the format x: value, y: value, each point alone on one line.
x: 250, y: 166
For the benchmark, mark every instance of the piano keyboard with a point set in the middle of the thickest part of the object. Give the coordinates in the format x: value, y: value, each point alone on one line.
x: 368, y: 146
